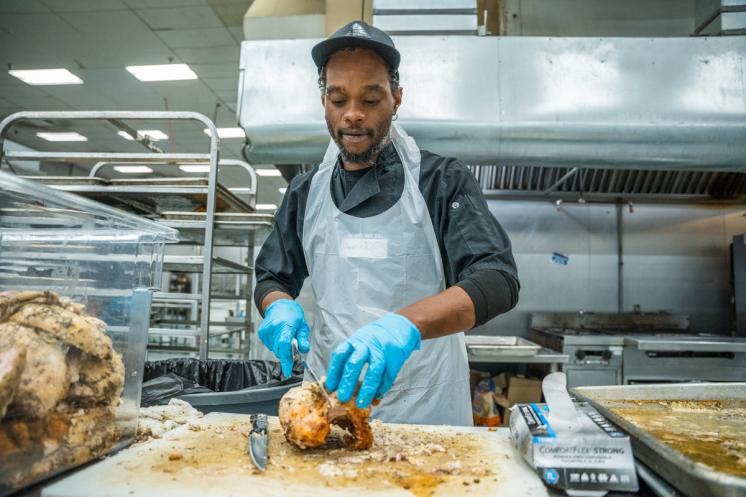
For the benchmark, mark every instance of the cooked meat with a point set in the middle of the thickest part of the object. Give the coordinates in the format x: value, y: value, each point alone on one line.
x: 12, y: 361
x: 67, y: 438
x: 94, y: 381
x: 12, y: 300
x: 60, y: 380
x: 43, y: 381
x: 353, y: 419
x: 306, y: 418
x: 66, y: 326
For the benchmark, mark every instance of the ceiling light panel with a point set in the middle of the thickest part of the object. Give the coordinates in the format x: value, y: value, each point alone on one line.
x: 162, y: 72
x: 195, y: 168
x: 228, y: 132
x: 268, y: 172
x: 62, y: 137
x: 39, y: 77
x: 154, y: 134
x: 133, y: 169
x: 265, y: 207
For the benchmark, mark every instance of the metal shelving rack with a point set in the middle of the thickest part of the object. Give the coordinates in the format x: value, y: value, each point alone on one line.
x: 204, y: 230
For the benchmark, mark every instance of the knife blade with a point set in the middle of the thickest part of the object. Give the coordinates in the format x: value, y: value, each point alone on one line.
x: 258, y: 441
x: 297, y: 355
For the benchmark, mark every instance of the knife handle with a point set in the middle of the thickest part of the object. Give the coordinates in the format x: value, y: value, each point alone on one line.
x: 258, y: 423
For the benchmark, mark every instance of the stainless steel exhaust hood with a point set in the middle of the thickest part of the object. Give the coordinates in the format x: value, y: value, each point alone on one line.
x: 636, y: 103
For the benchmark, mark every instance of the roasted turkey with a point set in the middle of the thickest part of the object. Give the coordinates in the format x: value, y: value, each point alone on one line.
x: 307, y: 417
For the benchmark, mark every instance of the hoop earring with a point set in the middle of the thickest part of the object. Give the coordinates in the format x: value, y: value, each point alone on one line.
x: 396, y: 116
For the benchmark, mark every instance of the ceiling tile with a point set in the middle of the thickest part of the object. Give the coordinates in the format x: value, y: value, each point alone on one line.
x: 110, y: 25
x: 231, y: 13
x: 34, y: 26
x: 81, y: 97
x: 228, y: 96
x: 22, y: 90
x: 209, y: 54
x: 112, y: 39
x: 22, y: 6
x: 195, y: 38
x: 215, y: 70
x: 182, y: 90
x: 181, y: 18
x: 38, y: 103
x: 83, y: 5
x: 219, y: 84
x: 151, y: 4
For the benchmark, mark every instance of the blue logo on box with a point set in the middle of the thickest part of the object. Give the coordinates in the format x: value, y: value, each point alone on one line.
x: 551, y: 476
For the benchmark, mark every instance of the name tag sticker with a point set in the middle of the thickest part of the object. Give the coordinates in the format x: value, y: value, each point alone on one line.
x: 364, y: 248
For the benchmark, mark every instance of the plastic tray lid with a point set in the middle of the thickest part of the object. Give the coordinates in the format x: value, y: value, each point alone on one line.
x: 27, y: 205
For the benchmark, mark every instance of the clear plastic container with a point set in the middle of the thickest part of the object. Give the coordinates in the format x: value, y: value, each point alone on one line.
x: 94, y: 255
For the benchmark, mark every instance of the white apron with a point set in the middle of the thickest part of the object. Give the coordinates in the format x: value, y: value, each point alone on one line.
x: 363, y: 268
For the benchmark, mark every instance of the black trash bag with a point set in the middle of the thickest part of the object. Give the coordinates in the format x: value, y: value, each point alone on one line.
x: 220, y: 375
x: 158, y: 391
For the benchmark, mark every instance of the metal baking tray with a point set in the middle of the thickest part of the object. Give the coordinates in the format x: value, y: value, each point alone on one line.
x: 151, y: 196
x: 67, y: 180
x: 500, y: 346
x: 231, y: 228
x: 688, y: 476
x: 234, y: 217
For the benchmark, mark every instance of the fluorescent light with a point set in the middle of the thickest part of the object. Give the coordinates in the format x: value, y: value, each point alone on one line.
x: 46, y: 77
x: 133, y: 169
x: 268, y: 172
x: 162, y: 72
x: 282, y: 190
x: 62, y: 137
x: 195, y: 168
x: 228, y: 132
x: 265, y: 207
x: 154, y: 134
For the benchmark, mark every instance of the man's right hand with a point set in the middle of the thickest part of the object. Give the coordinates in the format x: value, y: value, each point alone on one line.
x: 283, y: 321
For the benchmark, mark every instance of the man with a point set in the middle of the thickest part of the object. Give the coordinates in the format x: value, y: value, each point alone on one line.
x: 402, y: 252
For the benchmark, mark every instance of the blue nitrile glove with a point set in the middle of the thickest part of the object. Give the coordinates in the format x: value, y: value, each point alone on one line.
x: 283, y: 321
x: 385, y: 344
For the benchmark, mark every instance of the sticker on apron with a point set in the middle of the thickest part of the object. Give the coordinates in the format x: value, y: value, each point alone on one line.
x: 364, y: 247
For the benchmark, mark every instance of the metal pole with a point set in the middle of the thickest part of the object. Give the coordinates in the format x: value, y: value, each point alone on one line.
x: 212, y: 180
x: 620, y: 257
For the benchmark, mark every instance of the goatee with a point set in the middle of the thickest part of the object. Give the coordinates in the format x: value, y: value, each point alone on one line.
x: 381, y: 137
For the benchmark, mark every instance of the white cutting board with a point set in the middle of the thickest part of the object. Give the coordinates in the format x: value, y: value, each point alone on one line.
x: 213, y: 462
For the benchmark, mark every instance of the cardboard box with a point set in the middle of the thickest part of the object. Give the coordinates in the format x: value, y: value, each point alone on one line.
x: 516, y: 390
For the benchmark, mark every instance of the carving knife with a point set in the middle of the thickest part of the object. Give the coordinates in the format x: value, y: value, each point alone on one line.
x: 258, y: 439
x: 297, y: 355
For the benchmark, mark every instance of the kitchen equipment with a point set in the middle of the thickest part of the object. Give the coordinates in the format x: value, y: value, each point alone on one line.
x: 485, y: 346
x: 209, y: 458
x: 614, y: 349
x: 691, y: 478
x: 258, y: 441
x: 97, y: 256
x: 594, y: 358
x: 672, y: 358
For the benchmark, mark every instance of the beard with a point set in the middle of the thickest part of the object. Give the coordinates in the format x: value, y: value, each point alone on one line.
x: 380, y: 137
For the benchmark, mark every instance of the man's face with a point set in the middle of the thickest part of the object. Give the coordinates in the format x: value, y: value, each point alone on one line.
x: 358, y: 103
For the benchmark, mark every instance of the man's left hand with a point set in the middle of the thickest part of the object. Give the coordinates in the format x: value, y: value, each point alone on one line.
x: 384, y: 344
